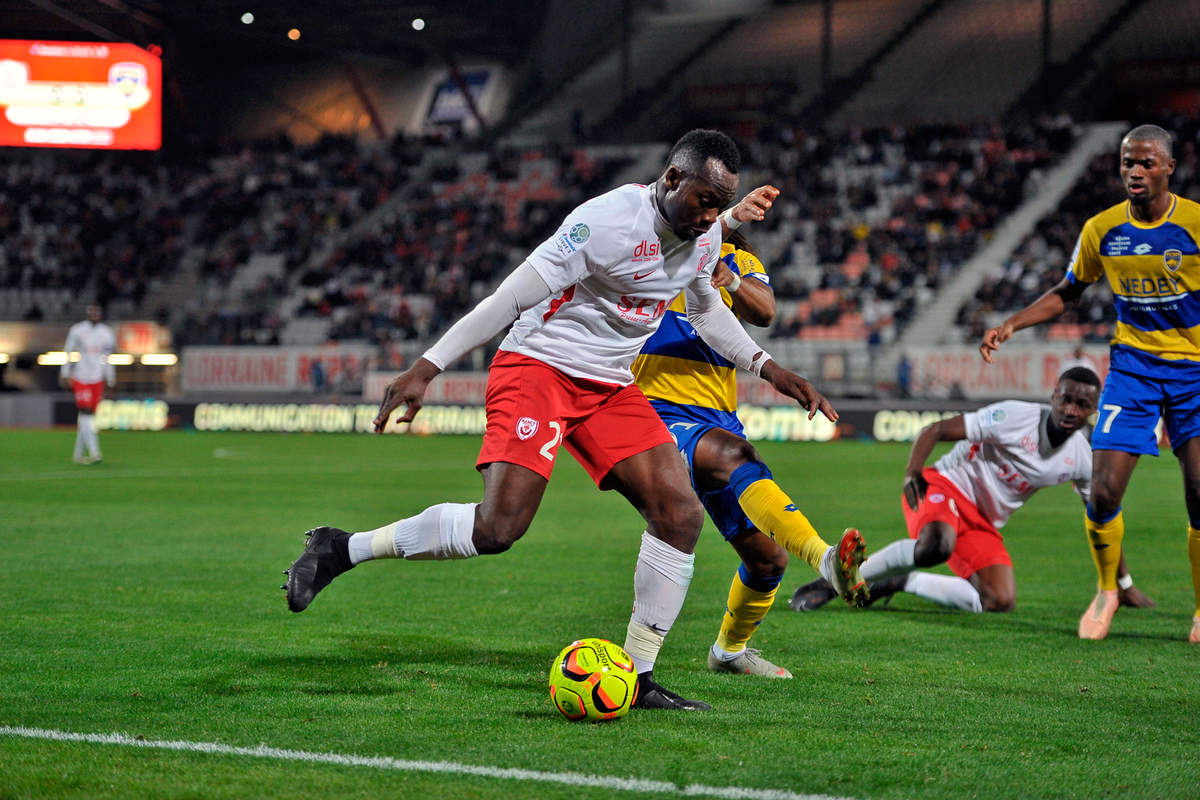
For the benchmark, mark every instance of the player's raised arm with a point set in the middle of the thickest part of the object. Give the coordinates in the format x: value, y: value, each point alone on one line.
x: 1045, y: 308
x: 751, y: 208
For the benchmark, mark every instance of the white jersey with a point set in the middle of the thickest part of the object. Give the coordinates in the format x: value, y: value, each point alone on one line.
x: 1007, y: 456
x: 94, y: 342
x: 613, y: 268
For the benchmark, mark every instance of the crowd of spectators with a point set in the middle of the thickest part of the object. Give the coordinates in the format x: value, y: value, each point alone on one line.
x: 869, y: 225
x: 873, y: 221
x: 1040, y: 261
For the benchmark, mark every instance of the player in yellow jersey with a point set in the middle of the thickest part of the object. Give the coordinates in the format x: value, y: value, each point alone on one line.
x: 694, y: 390
x: 1149, y: 249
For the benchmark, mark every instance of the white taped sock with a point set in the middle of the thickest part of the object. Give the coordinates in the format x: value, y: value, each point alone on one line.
x: 893, y: 559
x: 438, y: 533
x: 88, y: 423
x: 945, y: 590
x: 660, y: 584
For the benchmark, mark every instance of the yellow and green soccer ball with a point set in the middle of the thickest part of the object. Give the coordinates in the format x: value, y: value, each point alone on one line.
x: 593, y: 679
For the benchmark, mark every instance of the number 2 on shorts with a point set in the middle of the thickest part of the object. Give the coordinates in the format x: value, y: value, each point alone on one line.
x: 547, y: 450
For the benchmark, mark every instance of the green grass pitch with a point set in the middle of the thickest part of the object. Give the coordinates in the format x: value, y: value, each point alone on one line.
x: 140, y: 597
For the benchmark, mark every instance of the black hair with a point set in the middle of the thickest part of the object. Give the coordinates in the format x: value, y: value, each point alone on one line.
x: 1153, y: 133
x: 1081, y: 375
x: 697, y: 146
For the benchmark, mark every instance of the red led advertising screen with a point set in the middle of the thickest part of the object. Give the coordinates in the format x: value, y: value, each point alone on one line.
x: 79, y: 94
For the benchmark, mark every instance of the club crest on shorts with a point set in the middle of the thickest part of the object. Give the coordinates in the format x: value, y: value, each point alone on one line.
x: 526, y: 427
x: 1172, y: 258
x: 937, y: 497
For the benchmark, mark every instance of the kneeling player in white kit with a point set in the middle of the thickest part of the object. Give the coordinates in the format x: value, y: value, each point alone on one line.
x: 93, y: 342
x: 1005, y: 452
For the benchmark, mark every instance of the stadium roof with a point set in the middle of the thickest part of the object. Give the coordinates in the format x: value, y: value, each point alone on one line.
x: 499, y: 29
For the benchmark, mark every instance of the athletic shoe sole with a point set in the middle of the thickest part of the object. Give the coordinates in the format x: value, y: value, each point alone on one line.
x: 850, y: 554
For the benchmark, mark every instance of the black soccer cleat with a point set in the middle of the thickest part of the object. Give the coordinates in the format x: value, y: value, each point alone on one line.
x: 326, y: 555
x: 884, y: 589
x: 651, y: 695
x: 812, y: 596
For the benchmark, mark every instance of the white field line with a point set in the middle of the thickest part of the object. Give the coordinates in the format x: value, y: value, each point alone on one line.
x: 404, y: 765
x: 223, y: 470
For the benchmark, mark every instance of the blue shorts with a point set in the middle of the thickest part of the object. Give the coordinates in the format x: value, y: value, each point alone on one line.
x: 1131, y: 404
x: 687, y: 425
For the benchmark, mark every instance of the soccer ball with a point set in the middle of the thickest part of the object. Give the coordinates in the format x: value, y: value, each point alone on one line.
x: 593, y: 679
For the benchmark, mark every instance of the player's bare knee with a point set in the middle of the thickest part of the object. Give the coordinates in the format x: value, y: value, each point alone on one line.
x: 735, y: 451
x: 934, y: 546
x: 678, y: 524
x: 998, y: 602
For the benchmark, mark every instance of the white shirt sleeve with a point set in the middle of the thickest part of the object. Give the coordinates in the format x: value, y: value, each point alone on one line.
x: 989, y: 423
x: 523, y: 289
x: 589, y: 239
x: 110, y: 372
x: 72, y: 344
x: 719, y: 328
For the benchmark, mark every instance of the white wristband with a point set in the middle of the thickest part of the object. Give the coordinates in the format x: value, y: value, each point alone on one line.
x: 1125, y: 581
x: 734, y: 284
x: 730, y: 222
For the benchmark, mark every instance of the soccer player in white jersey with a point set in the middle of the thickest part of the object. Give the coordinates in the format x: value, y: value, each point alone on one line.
x: 91, y: 342
x: 584, y: 302
x: 1003, y: 454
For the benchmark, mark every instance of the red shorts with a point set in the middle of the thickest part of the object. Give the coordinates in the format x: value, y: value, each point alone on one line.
x: 87, y: 395
x: 532, y: 408
x: 978, y: 543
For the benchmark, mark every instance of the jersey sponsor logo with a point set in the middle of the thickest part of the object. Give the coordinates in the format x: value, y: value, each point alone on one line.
x: 563, y: 243
x: 644, y: 310
x: 1117, y: 245
x: 1149, y: 287
x: 1172, y: 258
x: 1029, y: 443
x: 1142, y: 249
x: 526, y: 427
x: 637, y: 276
x: 647, y: 251
x: 579, y: 233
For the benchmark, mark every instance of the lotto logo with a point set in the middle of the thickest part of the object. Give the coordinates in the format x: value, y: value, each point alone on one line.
x: 526, y: 427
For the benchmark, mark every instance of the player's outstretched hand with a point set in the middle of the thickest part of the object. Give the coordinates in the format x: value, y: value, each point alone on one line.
x: 722, y: 275
x: 799, y: 389
x: 406, y: 389
x: 754, y: 206
x: 993, y: 339
x: 915, y: 487
x: 1133, y: 597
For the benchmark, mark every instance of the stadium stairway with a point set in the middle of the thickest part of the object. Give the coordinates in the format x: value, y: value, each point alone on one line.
x: 933, y: 325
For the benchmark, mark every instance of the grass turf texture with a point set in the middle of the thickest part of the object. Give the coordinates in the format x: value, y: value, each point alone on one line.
x: 141, y: 596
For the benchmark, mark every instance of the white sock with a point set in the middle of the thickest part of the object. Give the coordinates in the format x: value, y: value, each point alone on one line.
x: 87, y: 423
x: 945, y: 590
x: 894, y: 559
x: 660, y: 584
x: 439, y: 533
x: 721, y: 654
x: 80, y: 436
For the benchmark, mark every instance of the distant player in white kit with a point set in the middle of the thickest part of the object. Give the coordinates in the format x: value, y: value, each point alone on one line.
x: 1005, y: 452
x: 584, y: 302
x: 93, y: 341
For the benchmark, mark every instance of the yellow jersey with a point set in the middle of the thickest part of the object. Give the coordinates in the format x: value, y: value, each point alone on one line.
x: 1154, y: 272
x: 677, y: 366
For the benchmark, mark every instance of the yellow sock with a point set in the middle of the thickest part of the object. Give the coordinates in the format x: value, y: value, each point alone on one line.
x: 1194, y: 557
x: 745, y: 609
x: 774, y: 513
x: 1105, y: 540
